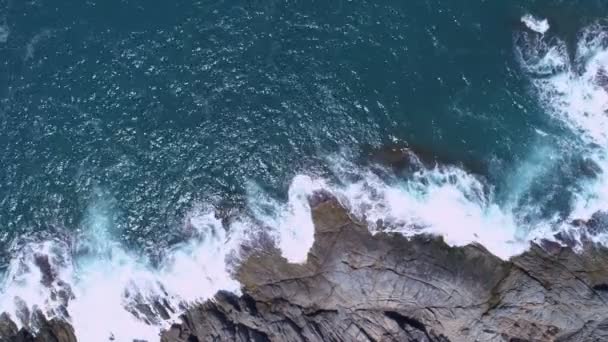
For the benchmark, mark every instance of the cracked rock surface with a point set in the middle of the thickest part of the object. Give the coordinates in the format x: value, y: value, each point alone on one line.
x: 361, y: 287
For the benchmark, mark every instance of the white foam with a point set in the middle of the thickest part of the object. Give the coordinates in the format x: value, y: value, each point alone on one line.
x: 23, y: 278
x: 444, y: 201
x: 98, y: 310
x: 535, y: 24
x: 539, y: 56
x: 292, y: 222
x: 107, y: 280
x: 297, y: 229
x: 574, y: 95
x: 577, y: 95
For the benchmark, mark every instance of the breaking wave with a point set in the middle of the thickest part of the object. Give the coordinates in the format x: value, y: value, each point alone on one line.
x: 535, y: 24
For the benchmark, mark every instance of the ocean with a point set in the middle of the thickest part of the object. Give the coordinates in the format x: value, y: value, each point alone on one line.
x: 142, y: 142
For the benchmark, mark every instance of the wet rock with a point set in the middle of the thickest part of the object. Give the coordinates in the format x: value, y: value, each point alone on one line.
x: 22, y: 336
x: 227, y: 213
x: 48, y: 274
x: 602, y: 78
x: 178, y: 333
x: 46, y: 331
x: 595, y: 225
x: 23, y: 312
x: 7, y: 326
x: 319, y: 197
x: 54, y: 330
x: 550, y: 246
x: 411, y: 158
x: 598, y: 223
x: 152, y: 310
x: 567, y: 238
x: 396, y: 157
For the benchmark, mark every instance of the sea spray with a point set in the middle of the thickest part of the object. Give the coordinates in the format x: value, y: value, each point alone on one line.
x: 577, y: 96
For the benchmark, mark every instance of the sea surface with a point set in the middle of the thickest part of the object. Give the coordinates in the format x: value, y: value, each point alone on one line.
x: 143, y: 141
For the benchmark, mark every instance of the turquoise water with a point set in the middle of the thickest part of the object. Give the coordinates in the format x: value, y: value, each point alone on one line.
x: 144, y: 110
x: 158, y: 105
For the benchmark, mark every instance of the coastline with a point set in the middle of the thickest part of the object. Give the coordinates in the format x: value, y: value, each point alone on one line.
x: 386, y: 287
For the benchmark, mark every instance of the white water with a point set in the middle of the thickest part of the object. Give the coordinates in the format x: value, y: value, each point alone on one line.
x: 535, y: 24
x: 576, y: 94
x: 106, y: 279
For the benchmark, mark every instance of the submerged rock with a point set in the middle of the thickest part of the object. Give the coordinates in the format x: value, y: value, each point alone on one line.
x: 399, y: 158
x: 412, y: 158
x: 7, y: 326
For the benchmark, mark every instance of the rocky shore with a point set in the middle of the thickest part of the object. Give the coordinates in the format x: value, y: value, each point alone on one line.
x: 356, y: 286
x: 359, y: 287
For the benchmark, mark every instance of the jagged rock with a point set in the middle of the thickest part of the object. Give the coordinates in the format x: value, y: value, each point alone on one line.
x: 601, y: 78
x: 598, y: 223
x: 7, y: 326
x: 355, y: 286
x: 54, y: 330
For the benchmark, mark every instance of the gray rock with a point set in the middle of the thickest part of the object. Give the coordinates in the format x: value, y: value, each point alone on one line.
x: 359, y: 287
x: 7, y: 326
x: 47, y: 331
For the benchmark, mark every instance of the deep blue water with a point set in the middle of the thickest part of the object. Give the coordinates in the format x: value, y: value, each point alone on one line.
x: 158, y: 105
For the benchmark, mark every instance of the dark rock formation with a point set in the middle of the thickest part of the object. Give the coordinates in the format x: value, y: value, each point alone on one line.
x: 584, y: 230
x: 598, y: 223
x: 361, y: 287
x: 48, y: 331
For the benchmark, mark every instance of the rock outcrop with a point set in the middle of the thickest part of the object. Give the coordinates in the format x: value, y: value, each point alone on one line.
x: 359, y: 287
x: 356, y: 286
x: 47, y: 331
